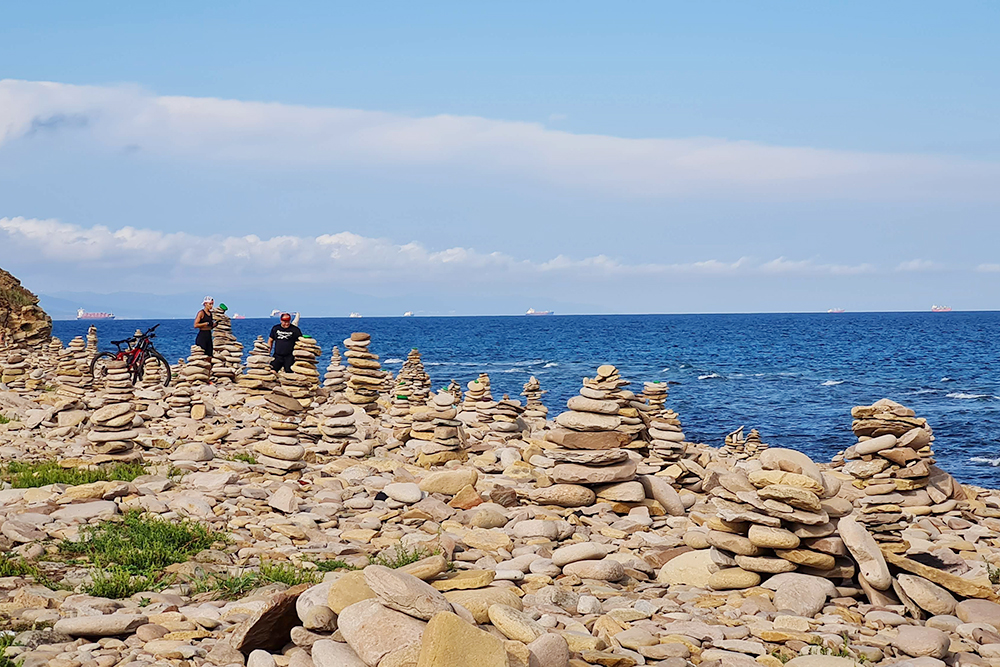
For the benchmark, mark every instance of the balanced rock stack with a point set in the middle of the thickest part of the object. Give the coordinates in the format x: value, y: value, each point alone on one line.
x: 477, y: 393
x: 337, y: 428
x: 336, y: 375
x: 892, y: 463
x: 532, y: 392
x: 303, y: 381
x: 78, y: 347
x: 504, y: 417
x: 114, y: 425
x: 179, y: 401
x: 739, y: 447
x: 259, y: 377
x: 15, y: 369
x: 666, y: 437
x: 49, y: 354
x: 436, y: 434
x: 227, y: 352
x: 92, y: 348
x: 198, y: 368
x: 455, y: 389
x: 779, y: 518
x: 69, y: 376
x: 365, y: 373
x: 590, y: 461
x: 416, y: 378
x: 281, y: 451
x: 400, y: 416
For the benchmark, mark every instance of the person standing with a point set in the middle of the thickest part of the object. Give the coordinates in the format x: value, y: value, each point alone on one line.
x: 281, y: 342
x: 204, y: 323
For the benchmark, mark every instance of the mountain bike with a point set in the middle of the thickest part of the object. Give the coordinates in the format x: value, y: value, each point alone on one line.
x: 139, y: 350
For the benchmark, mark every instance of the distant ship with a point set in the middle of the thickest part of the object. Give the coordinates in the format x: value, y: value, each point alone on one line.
x: 836, y: 310
x: 408, y: 313
x: 355, y: 315
x: 81, y: 314
x: 532, y: 311
x: 940, y: 309
x: 237, y: 316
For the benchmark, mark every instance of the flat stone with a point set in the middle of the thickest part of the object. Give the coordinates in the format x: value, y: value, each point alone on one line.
x: 448, y: 641
x: 733, y: 578
x: 929, y: 596
x: 802, y: 594
x: 563, y: 495
x: 478, y: 602
x: 864, y: 549
x: 108, y: 625
x: 348, y: 589
x: 979, y: 611
x: 373, y: 630
x: 326, y: 653
x: 269, y: 627
x: 602, y: 570
x: 962, y: 586
x: 571, y: 473
x: 588, y: 421
x: 580, y: 551
x: 692, y: 568
x: 515, y: 624
x: 772, y: 538
x: 487, y: 540
x: 449, y: 482
x: 583, y: 440
x: 464, y: 580
x: 404, y: 592
x: 920, y: 641
x: 403, y: 492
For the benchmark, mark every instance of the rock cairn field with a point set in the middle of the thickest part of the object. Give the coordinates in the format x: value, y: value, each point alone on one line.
x: 243, y: 517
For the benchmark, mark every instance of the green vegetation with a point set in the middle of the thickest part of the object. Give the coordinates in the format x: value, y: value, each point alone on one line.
x: 42, y: 473
x: 400, y: 557
x: 130, y: 554
x: 333, y: 565
x: 994, y: 573
x: 5, y: 420
x: 243, y: 456
x: 6, y: 641
x: 16, y: 567
x: 286, y: 573
x: 235, y: 586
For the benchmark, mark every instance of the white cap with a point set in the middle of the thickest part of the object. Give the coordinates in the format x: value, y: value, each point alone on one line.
x: 207, y: 299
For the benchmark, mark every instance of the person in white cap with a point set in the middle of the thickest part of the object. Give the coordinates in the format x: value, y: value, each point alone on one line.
x: 204, y: 323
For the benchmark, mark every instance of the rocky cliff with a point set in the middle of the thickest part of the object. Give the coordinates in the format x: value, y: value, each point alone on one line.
x: 22, y: 321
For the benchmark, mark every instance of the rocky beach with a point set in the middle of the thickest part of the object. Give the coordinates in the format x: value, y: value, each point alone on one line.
x: 356, y: 517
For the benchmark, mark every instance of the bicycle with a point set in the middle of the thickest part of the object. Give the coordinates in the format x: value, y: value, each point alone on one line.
x: 139, y: 350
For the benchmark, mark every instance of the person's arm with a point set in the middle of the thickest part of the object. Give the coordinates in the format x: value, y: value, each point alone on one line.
x: 199, y: 322
x: 270, y: 341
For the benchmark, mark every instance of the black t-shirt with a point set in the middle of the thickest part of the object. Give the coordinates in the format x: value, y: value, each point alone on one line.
x: 284, y: 339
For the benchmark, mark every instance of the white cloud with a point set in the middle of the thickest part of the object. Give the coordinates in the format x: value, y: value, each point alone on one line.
x: 916, y: 265
x: 337, y: 257
x: 988, y: 268
x: 128, y: 118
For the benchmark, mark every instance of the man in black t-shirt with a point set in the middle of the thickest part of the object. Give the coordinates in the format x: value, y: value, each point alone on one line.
x: 281, y: 342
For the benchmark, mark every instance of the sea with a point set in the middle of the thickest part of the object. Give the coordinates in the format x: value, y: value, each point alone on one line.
x: 793, y: 377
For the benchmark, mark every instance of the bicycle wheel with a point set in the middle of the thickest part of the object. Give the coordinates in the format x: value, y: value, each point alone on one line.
x: 157, y: 365
x: 99, y: 366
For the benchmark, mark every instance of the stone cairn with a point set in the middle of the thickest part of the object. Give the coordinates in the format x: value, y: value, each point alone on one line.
x: 15, y: 370
x: 336, y: 375
x: 337, y: 429
x: 197, y: 370
x: 590, y: 459
x: 455, y: 389
x: 92, y: 347
x: 303, y: 381
x: 281, y: 450
x: 666, y: 438
x: 227, y: 352
x: 892, y: 463
x: 776, y: 519
x: 70, y: 377
x: 533, y: 408
x: 739, y: 447
x: 114, y: 425
x: 504, y: 417
x: 259, y: 377
x: 436, y: 433
x: 179, y: 399
x: 365, y: 374
x: 416, y: 378
x: 476, y: 394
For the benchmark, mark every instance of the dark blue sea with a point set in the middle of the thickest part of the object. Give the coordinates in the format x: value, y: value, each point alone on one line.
x: 794, y: 377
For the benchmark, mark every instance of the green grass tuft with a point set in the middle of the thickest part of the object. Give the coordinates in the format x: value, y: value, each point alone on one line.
x: 226, y: 586
x: 286, y: 573
x: 117, y: 583
x: 42, y: 473
x: 400, y: 557
x: 244, y: 457
x: 15, y: 567
x: 4, y: 419
x: 6, y: 641
x: 333, y: 565
x: 130, y: 554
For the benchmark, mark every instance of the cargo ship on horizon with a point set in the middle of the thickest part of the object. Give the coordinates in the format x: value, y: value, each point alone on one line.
x: 81, y: 314
x: 940, y: 309
x: 532, y: 311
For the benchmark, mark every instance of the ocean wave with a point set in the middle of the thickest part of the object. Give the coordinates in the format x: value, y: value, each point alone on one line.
x: 551, y: 364
x: 393, y: 361
x: 665, y: 369
x: 917, y: 392
x: 514, y: 370
x: 831, y: 383
x: 946, y: 379
x: 711, y: 376
x: 969, y: 397
x: 983, y: 459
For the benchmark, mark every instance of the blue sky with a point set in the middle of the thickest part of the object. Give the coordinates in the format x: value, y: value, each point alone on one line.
x: 592, y: 156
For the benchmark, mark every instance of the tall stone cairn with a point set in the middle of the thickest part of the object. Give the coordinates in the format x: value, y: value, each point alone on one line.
x: 69, y: 375
x: 259, y: 377
x: 337, y: 428
x: 303, y: 380
x: 227, y: 352
x: 418, y: 382
x: 365, y: 375
x: 92, y: 346
x: 114, y: 425
x: 15, y: 369
x: 893, y: 463
x: 336, y: 375
x: 437, y: 434
x: 198, y: 368
x: 281, y: 451
x: 532, y: 392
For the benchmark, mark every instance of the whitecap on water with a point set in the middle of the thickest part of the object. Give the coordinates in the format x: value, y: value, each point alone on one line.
x: 968, y: 397
x: 917, y: 392
x: 831, y: 383
x: 393, y: 361
x: 551, y: 364
x: 946, y: 379
x: 710, y: 376
x: 984, y: 459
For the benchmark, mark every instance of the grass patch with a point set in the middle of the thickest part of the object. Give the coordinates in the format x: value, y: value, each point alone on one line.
x: 993, y: 572
x: 42, y: 473
x: 333, y: 565
x: 400, y: 557
x: 15, y: 567
x: 244, y: 457
x: 6, y: 641
x: 130, y: 554
x: 5, y: 420
x: 286, y: 573
x: 227, y: 586
x: 117, y: 582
